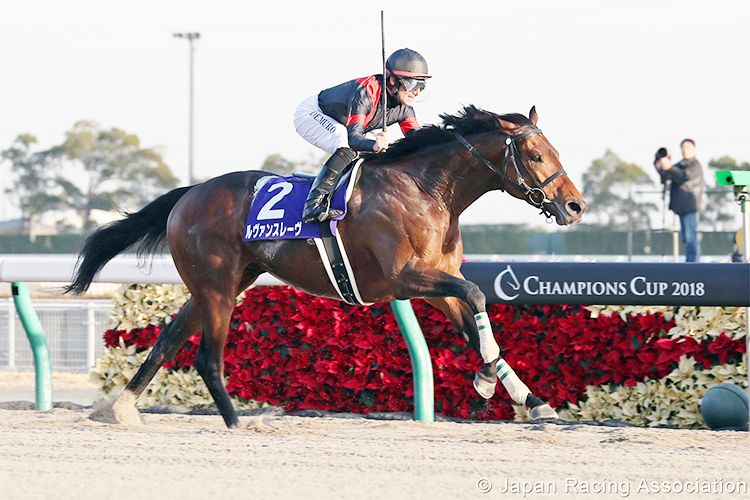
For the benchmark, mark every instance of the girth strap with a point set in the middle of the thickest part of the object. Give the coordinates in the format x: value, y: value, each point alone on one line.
x: 337, y: 264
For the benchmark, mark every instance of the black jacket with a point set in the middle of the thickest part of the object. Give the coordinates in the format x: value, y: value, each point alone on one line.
x: 357, y: 105
x: 686, y: 192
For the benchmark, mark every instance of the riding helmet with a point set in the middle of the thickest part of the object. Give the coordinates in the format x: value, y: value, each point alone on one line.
x: 407, y: 63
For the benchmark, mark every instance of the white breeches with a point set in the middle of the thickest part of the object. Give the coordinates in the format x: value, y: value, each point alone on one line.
x: 319, y: 129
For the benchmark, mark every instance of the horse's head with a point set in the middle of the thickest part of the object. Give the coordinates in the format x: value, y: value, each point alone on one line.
x: 534, y: 173
x: 523, y: 162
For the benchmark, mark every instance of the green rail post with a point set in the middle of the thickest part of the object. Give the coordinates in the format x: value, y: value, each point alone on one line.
x: 424, y: 390
x: 35, y: 333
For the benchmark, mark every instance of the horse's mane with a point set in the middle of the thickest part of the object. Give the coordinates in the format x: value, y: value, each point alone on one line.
x: 470, y: 120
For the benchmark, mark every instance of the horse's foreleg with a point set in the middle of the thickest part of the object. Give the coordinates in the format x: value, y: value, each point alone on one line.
x: 478, y: 331
x: 465, y: 305
x: 172, y: 337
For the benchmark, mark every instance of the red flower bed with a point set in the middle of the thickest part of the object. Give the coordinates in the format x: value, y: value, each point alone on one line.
x: 303, y: 352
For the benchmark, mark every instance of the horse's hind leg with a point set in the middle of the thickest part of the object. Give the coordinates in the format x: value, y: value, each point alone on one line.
x: 216, y: 311
x: 210, y: 358
x: 172, y: 337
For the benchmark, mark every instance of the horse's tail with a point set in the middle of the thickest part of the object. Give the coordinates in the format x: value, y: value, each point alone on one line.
x: 148, y: 226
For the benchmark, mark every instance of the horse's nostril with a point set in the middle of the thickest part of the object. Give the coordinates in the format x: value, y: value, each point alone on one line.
x: 574, y: 208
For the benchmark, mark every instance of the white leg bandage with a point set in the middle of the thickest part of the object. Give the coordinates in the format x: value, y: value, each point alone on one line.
x: 516, y: 389
x: 487, y: 345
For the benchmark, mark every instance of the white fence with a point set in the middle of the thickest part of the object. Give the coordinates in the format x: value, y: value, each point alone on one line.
x: 121, y: 269
x: 74, y: 328
x: 74, y: 331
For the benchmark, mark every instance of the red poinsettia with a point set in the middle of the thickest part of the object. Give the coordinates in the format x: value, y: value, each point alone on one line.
x: 303, y: 352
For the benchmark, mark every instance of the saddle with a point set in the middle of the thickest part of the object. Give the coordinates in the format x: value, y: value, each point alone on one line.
x: 276, y: 213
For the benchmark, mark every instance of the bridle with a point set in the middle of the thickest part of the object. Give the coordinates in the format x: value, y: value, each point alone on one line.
x: 535, y: 195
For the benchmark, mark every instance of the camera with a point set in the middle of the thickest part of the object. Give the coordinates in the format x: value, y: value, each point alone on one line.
x: 661, y: 153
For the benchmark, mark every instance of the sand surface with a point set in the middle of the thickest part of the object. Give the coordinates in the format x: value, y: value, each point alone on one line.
x: 73, y: 387
x: 63, y: 455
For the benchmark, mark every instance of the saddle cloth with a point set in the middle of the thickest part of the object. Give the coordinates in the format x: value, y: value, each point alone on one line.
x: 276, y: 212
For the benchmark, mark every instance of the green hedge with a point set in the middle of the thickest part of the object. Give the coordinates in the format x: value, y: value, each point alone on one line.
x: 501, y: 239
x: 59, y: 243
x: 478, y: 239
x: 509, y: 239
x: 644, y: 243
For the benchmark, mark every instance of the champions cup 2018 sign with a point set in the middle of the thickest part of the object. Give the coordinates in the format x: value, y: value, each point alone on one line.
x: 611, y: 284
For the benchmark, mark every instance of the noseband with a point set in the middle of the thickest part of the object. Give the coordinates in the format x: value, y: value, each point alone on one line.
x: 535, y: 195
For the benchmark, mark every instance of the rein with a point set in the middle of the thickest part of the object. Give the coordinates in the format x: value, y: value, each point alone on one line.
x: 535, y: 195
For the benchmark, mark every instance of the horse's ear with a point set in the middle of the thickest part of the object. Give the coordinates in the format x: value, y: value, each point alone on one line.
x: 533, y: 116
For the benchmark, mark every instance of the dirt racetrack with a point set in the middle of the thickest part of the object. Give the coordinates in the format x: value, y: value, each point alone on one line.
x: 63, y: 455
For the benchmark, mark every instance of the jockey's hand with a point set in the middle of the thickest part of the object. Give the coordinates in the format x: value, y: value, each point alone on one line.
x: 381, y: 142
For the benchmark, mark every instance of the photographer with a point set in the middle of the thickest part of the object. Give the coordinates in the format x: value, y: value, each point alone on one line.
x: 685, y: 193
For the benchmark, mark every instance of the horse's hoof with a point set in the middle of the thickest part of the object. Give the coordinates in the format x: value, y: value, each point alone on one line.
x: 543, y: 412
x: 121, y: 411
x: 111, y: 415
x: 485, y: 388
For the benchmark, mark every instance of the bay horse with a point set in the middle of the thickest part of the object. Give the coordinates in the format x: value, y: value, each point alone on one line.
x: 401, y: 233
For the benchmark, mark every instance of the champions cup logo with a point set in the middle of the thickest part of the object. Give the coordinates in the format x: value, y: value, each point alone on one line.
x: 508, y: 287
x: 508, y: 279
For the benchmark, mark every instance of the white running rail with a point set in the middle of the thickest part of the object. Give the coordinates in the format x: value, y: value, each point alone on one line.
x: 123, y: 269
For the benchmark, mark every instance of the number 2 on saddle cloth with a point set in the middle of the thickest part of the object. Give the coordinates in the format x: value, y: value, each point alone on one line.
x: 276, y: 212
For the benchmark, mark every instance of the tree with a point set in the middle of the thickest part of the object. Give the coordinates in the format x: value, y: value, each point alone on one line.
x: 720, y: 212
x: 279, y: 165
x: 606, y: 186
x: 35, y: 189
x: 117, y: 172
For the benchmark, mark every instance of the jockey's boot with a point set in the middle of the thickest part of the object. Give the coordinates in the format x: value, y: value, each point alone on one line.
x: 317, y: 205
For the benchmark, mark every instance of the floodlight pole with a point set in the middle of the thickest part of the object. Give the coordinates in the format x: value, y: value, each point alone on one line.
x: 190, y: 37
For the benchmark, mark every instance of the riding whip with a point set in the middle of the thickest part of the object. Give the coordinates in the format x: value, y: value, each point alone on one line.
x: 382, y: 44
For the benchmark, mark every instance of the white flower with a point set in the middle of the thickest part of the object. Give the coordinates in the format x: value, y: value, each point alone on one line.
x: 137, y: 306
x: 182, y: 386
x: 673, y: 401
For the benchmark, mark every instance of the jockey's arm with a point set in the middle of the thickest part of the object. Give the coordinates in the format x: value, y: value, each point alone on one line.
x: 355, y: 125
x: 357, y: 139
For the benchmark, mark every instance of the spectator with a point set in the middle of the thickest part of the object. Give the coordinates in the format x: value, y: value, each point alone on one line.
x: 685, y: 194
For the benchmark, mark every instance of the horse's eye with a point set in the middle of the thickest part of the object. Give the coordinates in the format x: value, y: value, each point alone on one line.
x: 536, y: 158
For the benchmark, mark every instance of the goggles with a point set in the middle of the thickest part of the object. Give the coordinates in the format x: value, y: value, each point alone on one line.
x: 412, y: 84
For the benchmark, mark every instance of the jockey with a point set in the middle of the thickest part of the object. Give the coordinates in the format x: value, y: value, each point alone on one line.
x: 338, y: 120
